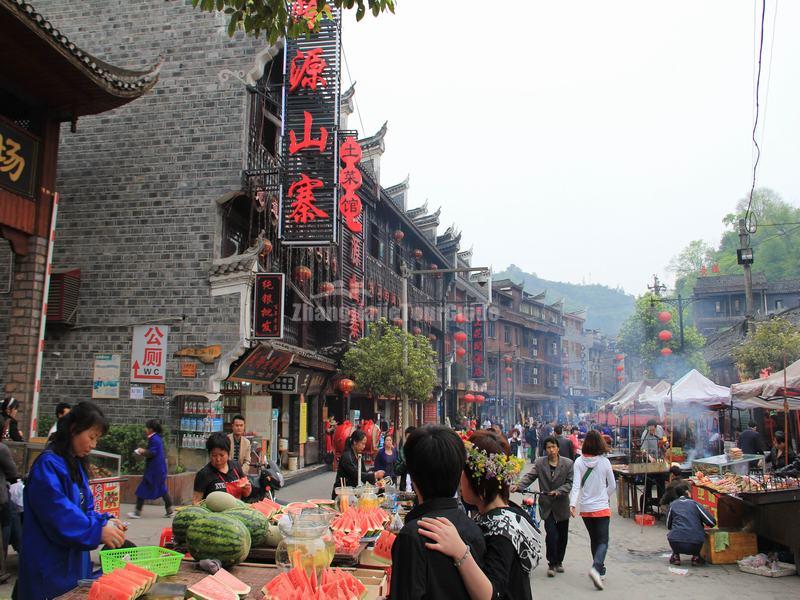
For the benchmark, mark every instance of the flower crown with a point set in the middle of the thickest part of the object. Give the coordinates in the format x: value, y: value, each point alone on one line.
x: 492, y: 466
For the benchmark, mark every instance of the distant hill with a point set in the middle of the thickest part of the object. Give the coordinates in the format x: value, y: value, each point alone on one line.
x: 607, y: 308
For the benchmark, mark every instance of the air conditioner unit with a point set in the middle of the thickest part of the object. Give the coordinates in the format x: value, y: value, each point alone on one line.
x: 62, y: 302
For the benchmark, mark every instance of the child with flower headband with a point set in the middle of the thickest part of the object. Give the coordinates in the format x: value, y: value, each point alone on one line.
x: 513, y: 546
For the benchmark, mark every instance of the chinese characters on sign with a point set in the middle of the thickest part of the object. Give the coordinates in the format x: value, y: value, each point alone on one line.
x: 350, y: 180
x: 308, y: 206
x: 105, y: 382
x: 19, y: 153
x: 268, y: 306
x: 149, y: 356
x: 350, y: 208
x: 479, y: 343
x: 261, y: 365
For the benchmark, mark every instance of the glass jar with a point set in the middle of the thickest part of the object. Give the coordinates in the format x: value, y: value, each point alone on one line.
x: 308, y: 543
x: 368, y: 498
x: 345, y: 498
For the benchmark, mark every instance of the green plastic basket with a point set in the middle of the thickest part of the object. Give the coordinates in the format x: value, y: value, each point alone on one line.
x: 159, y: 560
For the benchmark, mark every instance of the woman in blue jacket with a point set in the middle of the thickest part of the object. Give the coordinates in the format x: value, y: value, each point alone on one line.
x: 61, y: 525
x: 154, y: 481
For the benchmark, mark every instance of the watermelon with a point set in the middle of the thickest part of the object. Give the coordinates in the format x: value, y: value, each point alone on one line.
x: 222, y: 501
x: 383, y: 546
x: 106, y: 591
x: 134, y: 590
x: 219, y: 536
x: 137, y: 569
x: 141, y: 581
x: 234, y: 583
x: 256, y: 523
x: 182, y: 521
x: 209, y: 588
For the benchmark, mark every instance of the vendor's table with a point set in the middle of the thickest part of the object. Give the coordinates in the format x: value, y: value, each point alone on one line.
x: 629, y: 487
x: 728, y: 510
x: 256, y: 576
x: 776, y: 517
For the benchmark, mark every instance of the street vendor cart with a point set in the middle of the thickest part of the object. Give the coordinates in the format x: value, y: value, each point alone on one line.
x: 104, y: 473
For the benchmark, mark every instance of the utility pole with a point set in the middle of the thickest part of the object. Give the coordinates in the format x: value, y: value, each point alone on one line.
x: 745, y: 258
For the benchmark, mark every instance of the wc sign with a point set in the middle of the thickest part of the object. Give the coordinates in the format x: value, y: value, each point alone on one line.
x: 149, y: 355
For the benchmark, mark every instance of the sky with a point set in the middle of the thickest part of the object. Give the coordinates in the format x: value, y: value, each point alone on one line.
x: 584, y: 141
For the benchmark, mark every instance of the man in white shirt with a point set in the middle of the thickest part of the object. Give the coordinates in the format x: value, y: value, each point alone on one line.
x: 62, y: 408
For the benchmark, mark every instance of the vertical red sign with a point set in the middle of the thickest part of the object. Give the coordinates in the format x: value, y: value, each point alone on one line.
x: 268, y: 306
x: 479, y: 343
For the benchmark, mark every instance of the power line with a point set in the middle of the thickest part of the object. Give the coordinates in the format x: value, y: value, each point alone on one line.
x: 769, y: 73
x: 777, y: 235
x: 358, y: 110
x: 755, y: 120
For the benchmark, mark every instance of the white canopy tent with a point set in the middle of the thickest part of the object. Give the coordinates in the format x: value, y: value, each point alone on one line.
x: 693, y: 388
x: 758, y: 392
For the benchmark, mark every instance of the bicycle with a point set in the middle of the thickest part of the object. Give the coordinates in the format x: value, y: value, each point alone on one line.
x: 530, y: 504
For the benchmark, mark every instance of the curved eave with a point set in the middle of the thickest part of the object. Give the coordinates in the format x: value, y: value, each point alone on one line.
x: 58, y: 75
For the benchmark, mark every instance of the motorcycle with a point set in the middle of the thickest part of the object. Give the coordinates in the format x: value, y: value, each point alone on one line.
x: 266, y: 481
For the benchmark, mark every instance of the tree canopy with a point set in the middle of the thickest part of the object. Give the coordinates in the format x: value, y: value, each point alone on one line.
x: 638, y: 337
x: 279, y: 18
x: 774, y: 342
x: 375, y: 363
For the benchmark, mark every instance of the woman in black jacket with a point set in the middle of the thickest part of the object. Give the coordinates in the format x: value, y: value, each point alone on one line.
x: 10, y: 428
x: 349, y: 463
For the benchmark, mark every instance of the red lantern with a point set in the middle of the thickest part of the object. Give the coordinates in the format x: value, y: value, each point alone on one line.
x: 346, y: 386
x: 327, y: 288
x: 397, y: 323
x: 620, y: 357
x: 480, y: 398
x: 509, y: 380
x: 431, y: 338
x: 372, y: 312
x: 666, y: 351
x: 665, y: 316
x: 460, y: 337
x: 509, y: 370
x: 398, y: 236
x: 461, y: 352
x: 418, y: 253
x: 460, y: 318
x: 665, y: 335
x: 417, y: 331
x: 302, y: 274
x: 469, y: 398
x: 507, y: 358
x: 620, y: 368
x: 620, y: 378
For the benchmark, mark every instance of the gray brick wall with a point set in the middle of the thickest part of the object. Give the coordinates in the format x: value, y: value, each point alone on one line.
x: 138, y: 185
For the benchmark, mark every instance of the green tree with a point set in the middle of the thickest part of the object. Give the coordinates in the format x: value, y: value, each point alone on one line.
x: 375, y: 362
x: 279, y: 18
x: 774, y: 342
x: 638, y: 337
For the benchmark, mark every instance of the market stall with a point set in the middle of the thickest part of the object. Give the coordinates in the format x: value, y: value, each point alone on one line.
x: 104, y: 473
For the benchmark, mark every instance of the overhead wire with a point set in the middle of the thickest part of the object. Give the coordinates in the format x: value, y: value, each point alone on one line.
x: 355, y: 102
x: 755, y: 120
x: 769, y: 73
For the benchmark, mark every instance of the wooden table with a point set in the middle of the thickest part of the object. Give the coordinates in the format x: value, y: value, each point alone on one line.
x: 256, y: 576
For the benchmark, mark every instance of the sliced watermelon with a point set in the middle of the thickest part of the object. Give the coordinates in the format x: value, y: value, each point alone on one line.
x: 135, y: 588
x: 209, y: 588
x: 141, y: 580
x: 142, y: 571
x: 383, y: 546
x: 234, y: 583
x: 105, y: 591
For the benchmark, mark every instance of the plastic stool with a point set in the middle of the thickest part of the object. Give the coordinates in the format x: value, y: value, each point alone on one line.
x: 166, y: 538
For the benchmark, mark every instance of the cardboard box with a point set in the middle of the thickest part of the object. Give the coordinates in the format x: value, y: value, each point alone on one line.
x: 374, y: 580
x: 738, y: 545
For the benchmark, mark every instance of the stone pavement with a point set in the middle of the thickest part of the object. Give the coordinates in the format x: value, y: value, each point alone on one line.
x: 636, y: 565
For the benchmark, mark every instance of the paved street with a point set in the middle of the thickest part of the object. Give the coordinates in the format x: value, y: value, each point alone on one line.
x: 635, y: 562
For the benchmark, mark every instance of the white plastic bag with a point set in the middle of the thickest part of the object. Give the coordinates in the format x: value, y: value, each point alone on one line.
x: 15, y: 491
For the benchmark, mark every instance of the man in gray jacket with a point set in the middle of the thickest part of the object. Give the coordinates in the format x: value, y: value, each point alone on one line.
x: 554, y: 473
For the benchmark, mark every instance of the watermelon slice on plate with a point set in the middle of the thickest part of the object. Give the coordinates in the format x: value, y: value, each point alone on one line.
x: 234, y: 583
x: 209, y: 588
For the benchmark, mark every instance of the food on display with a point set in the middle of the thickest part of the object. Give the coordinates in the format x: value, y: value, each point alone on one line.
x: 347, y: 543
x: 221, y: 501
x: 219, y: 536
x: 234, y: 583
x: 123, y: 584
x: 735, y: 453
x: 266, y: 507
x: 383, y: 546
x: 257, y: 523
x: 333, y: 584
x: 185, y: 517
x: 730, y: 483
x: 211, y: 588
x: 369, y: 522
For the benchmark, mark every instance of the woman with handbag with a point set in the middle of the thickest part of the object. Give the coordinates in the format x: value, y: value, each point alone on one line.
x: 592, y: 488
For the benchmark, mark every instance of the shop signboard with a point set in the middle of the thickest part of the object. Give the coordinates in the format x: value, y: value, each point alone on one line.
x: 19, y: 159
x: 149, y: 355
x: 310, y: 145
x: 105, y: 381
x: 261, y: 365
x: 479, y: 344
x: 284, y: 384
x: 303, y: 422
x: 268, y: 306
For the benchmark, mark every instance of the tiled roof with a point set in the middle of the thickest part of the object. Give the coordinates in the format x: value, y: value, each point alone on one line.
x: 122, y: 82
x: 727, y: 283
